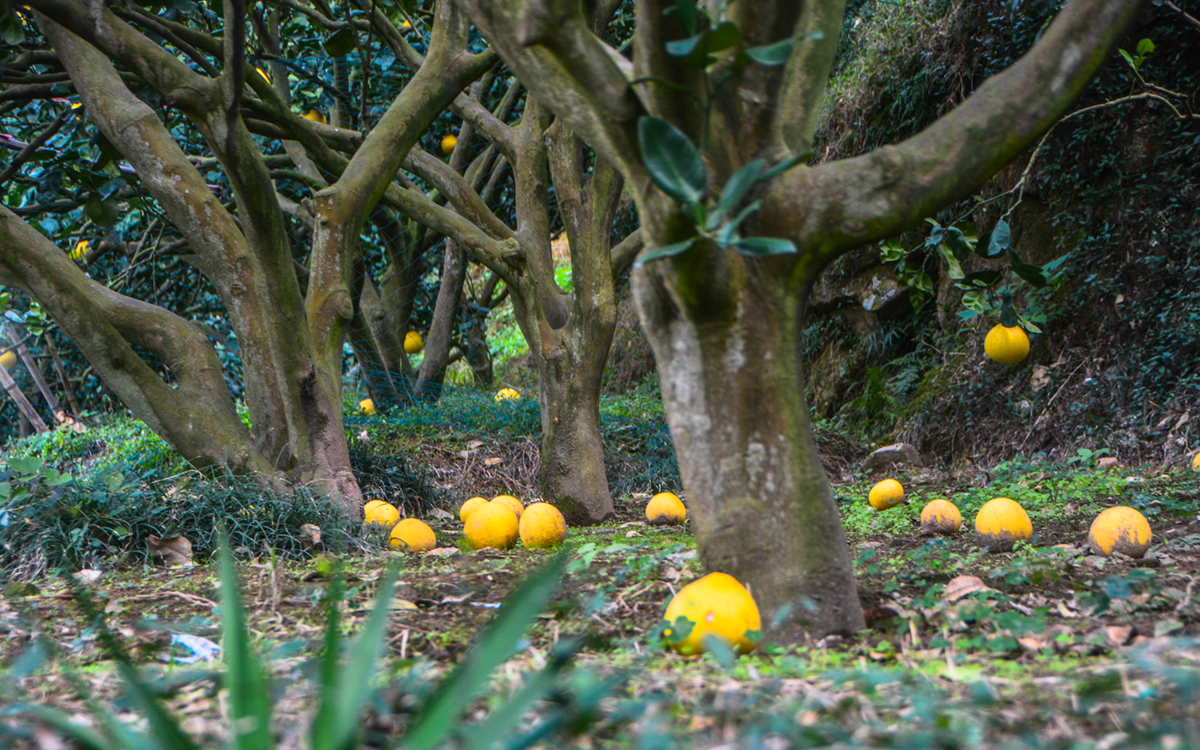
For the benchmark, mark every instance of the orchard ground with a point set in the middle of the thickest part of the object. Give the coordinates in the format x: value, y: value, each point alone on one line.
x: 1044, y: 646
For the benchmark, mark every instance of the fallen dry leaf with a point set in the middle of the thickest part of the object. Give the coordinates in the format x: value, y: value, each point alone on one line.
x: 963, y: 586
x: 492, y: 461
x: 172, y: 550
x: 443, y: 551
x: 310, y: 535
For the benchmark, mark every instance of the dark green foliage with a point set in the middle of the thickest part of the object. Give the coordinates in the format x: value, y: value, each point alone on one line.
x: 53, y: 521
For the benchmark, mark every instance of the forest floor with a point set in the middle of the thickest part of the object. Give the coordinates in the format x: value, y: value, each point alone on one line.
x: 1044, y: 646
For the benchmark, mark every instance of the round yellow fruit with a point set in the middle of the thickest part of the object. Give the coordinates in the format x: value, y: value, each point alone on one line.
x: 507, y: 394
x: 886, y: 494
x: 1196, y: 462
x: 1007, y: 346
x: 542, y: 526
x: 371, y: 504
x: 940, y: 517
x: 8, y: 359
x: 492, y: 525
x: 469, y: 507
x: 717, y: 605
x: 315, y: 116
x: 511, y: 502
x: 412, y: 535
x: 1120, y: 529
x: 448, y: 144
x: 1000, y: 523
x: 413, y: 343
x: 366, y: 406
x: 384, y: 514
x: 665, y: 508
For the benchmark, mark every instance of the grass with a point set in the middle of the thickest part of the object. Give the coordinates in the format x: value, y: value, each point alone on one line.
x: 1039, y: 657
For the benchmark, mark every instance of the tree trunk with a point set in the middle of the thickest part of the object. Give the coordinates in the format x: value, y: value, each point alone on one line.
x: 761, y: 506
x: 573, y: 475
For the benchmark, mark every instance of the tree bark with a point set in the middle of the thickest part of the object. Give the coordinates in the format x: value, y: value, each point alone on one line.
x: 761, y: 506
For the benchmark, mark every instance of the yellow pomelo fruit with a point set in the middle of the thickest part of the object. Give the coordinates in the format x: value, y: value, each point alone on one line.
x: 383, y: 514
x: 1120, y: 529
x: 366, y: 406
x: 940, y: 517
x: 315, y: 116
x: 413, y: 343
x: 1006, y: 345
x: 448, y: 144
x: 507, y: 394
x: 542, y: 526
x: 412, y: 535
x: 717, y: 605
x: 886, y: 494
x: 1196, y: 462
x: 665, y: 508
x: 513, y: 504
x: 8, y: 359
x: 469, y: 507
x: 1000, y: 522
x: 491, y: 525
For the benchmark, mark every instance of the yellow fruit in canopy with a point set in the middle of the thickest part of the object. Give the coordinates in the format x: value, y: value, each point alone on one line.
x: 886, y: 494
x: 413, y: 343
x: 1000, y: 522
x: 412, y: 535
x: 315, y: 116
x: 542, y: 526
x: 8, y: 359
x: 665, y: 508
x: 1120, y: 529
x: 513, y: 503
x: 448, y: 144
x: 507, y: 394
x: 384, y: 514
x: 366, y: 406
x: 491, y: 525
x: 940, y: 517
x: 469, y: 507
x: 1007, y: 346
x: 717, y: 605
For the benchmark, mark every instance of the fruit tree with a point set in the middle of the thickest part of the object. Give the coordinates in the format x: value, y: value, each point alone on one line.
x: 711, y: 122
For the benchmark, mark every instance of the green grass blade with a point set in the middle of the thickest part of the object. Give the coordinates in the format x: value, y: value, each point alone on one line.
x: 77, y: 733
x: 322, y: 726
x: 501, y: 720
x: 352, y: 683
x: 249, y: 700
x: 440, y: 716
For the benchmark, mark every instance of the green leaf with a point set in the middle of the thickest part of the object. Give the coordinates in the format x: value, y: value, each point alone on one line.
x: 472, y: 674
x: 696, y: 50
x: 1008, y: 313
x: 685, y: 47
x: 785, y: 165
x: 958, y: 244
x: 665, y: 252
x: 772, y: 54
x: 688, y: 15
x: 980, y: 279
x: 953, y: 267
x: 103, y: 211
x: 890, y: 250
x: 249, y: 700
x: 512, y: 712
x: 1128, y: 58
x: 340, y: 43
x: 737, y: 187
x: 1031, y: 274
x: 762, y: 247
x: 672, y: 160
x: 12, y: 31
x: 1145, y: 47
x: 26, y: 465
x: 994, y: 243
x: 68, y: 727
x: 727, y: 234
x: 718, y: 648
x: 352, y: 681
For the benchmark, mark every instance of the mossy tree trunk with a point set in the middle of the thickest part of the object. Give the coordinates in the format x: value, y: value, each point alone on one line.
x: 726, y: 328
